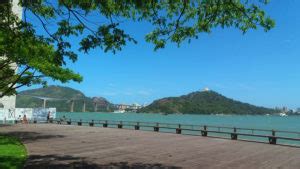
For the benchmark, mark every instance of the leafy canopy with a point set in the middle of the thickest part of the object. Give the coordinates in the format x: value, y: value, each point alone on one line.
x: 44, y: 56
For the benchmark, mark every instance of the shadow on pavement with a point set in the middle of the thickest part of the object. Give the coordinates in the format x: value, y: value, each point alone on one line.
x: 27, y: 137
x: 70, y: 162
x: 5, y: 125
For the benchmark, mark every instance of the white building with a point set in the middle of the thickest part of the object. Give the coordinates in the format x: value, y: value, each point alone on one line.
x: 206, y: 89
x: 10, y: 102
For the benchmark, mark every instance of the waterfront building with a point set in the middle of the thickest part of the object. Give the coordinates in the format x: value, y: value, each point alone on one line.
x: 135, y: 106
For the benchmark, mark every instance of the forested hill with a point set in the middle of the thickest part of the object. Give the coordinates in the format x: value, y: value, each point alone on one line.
x: 25, y: 99
x: 205, y: 102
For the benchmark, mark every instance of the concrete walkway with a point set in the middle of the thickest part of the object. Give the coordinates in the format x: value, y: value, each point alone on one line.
x: 61, y: 146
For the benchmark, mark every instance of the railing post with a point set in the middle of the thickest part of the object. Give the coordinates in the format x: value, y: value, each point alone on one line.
x: 92, y: 123
x: 204, y: 131
x: 120, y: 125
x: 137, y: 126
x: 105, y: 124
x: 234, y: 135
x: 79, y: 123
x: 156, y: 128
x: 273, y: 139
x: 178, y: 130
x: 69, y: 122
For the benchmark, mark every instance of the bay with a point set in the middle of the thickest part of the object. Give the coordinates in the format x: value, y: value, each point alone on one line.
x: 290, y: 123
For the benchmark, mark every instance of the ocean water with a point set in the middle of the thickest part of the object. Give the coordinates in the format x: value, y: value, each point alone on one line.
x: 289, y: 123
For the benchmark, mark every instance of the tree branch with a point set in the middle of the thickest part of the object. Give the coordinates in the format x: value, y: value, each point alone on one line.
x: 11, y: 87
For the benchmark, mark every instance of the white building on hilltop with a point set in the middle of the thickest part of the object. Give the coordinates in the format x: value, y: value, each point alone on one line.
x: 9, y: 102
x: 206, y: 89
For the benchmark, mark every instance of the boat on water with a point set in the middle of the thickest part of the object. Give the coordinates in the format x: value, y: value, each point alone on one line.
x: 283, y: 114
x: 119, y: 111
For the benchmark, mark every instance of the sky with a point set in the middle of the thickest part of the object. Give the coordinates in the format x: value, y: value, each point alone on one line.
x: 258, y: 67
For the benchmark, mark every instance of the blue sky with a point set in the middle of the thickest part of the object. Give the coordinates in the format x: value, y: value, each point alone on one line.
x: 259, y: 68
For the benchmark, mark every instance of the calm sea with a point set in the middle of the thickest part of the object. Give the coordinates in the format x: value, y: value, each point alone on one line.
x: 289, y: 123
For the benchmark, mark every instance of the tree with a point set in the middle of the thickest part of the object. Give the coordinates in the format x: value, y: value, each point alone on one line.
x: 44, y: 56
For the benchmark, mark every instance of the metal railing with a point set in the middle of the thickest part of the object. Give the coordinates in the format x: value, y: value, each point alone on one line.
x: 233, y: 133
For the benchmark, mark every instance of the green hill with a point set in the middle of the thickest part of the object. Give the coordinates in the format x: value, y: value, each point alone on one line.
x: 206, y: 102
x: 29, y: 99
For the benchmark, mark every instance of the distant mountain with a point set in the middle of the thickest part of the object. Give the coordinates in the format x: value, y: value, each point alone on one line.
x: 205, y: 102
x: 28, y: 98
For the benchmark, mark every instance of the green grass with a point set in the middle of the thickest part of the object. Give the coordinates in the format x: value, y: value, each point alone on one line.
x: 12, y: 153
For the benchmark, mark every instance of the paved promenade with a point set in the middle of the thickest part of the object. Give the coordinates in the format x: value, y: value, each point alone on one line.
x: 62, y: 146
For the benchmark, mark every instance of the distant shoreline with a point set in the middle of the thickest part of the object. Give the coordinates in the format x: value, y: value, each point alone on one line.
x: 166, y: 114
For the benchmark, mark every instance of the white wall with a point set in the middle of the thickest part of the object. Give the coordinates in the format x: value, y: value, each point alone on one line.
x: 39, y: 114
x: 10, y: 101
